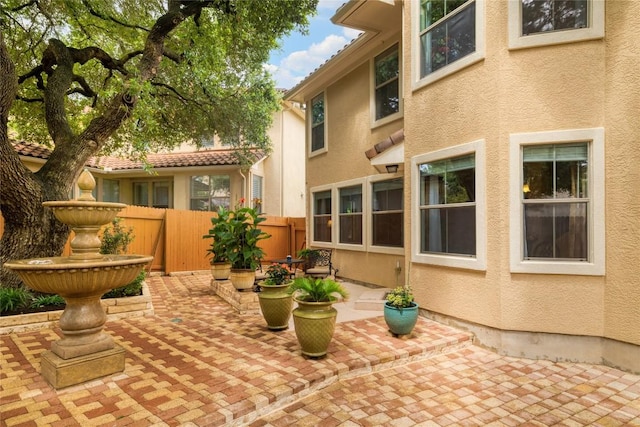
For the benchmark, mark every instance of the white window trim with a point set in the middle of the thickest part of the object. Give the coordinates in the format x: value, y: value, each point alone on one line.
x: 595, y: 30
x: 325, y: 148
x: 372, y: 77
x: 312, y: 191
x: 336, y: 210
x: 479, y: 262
x: 454, y: 67
x: 596, y: 238
x: 371, y: 247
x: 366, y: 215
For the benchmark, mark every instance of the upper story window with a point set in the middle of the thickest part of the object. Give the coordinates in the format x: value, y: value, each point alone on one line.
x: 350, y: 215
x: 208, y: 193
x: 544, y: 22
x: 387, y: 213
x: 449, y: 210
x: 322, y: 216
x: 318, y: 124
x: 558, y: 202
x: 449, y: 35
x: 387, y: 84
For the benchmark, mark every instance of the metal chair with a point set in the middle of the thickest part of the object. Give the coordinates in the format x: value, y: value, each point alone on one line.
x: 323, y: 267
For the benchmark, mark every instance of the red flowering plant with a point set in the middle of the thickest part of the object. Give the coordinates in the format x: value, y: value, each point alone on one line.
x: 277, y: 274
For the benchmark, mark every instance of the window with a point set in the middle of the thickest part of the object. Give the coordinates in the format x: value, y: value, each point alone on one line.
x: 387, y: 83
x: 557, y: 202
x: 256, y: 189
x: 350, y: 215
x: 208, y: 193
x: 322, y: 216
x: 317, y: 124
x: 450, y: 34
x: 449, y: 207
x: 110, y: 190
x: 156, y: 194
x: 387, y: 214
x: 544, y: 22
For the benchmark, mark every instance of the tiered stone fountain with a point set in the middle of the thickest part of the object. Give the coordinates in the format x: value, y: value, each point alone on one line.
x: 85, y: 352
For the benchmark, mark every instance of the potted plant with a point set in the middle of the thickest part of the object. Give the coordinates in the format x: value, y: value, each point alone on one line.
x: 220, y: 265
x: 310, y: 256
x: 275, y: 301
x: 400, y: 311
x: 244, y: 254
x: 315, y: 318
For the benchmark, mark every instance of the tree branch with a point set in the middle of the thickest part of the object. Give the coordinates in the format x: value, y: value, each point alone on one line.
x: 106, y: 17
x: 60, y: 79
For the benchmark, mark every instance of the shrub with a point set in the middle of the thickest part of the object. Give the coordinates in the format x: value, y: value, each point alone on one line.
x: 132, y: 289
x: 276, y: 275
x: 400, y: 297
x: 116, y: 238
x: 13, y: 299
x: 45, y: 300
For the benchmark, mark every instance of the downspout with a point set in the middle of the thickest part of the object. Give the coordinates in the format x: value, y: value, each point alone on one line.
x: 244, y: 185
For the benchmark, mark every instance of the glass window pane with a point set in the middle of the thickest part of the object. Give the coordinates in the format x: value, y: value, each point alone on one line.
x: 448, y: 181
x: 386, y: 66
x: 322, y: 202
x: 555, y: 171
x: 141, y: 193
x: 351, y: 229
x: 387, y: 195
x: 322, y: 228
x: 351, y: 199
x: 557, y: 230
x: 317, y: 110
x: 452, y: 39
x: 388, y: 229
x: 317, y: 137
x: 449, y: 230
x: 110, y: 190
x: 553, y: 15
x: 387, y: 100
x: 161, y: 195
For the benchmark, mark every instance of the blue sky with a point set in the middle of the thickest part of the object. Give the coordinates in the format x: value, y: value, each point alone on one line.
x: 301, y: 54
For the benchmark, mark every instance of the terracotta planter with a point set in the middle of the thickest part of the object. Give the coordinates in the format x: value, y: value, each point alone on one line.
x: 314, y: 323
x: 242, y: 279
x: 401, y: 321
x: 220, y: 270
x: 276, y: 305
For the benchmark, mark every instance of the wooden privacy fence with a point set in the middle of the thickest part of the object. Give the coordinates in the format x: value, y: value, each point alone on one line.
x: 174, y: 237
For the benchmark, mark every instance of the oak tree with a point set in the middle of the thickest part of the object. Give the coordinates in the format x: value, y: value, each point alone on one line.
x: 92, y: 77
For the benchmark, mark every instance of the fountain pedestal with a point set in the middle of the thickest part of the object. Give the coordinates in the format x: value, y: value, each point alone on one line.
x: 85, y: 352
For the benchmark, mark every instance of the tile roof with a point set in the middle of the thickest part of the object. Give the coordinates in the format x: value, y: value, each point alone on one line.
x: 393, y: 139
x: 224, y: 157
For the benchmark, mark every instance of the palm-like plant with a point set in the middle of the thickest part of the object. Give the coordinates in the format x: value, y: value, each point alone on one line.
x: 317, y: 290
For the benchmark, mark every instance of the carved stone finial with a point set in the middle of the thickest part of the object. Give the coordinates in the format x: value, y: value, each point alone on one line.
x: 87, y: 183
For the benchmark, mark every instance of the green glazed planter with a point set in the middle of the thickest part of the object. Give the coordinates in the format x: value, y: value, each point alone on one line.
x: 276, y: 304
x: 314, y: 323
x: 401, y: 321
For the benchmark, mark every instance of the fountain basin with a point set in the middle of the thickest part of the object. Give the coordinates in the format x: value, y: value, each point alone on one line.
x: 77, y: 213
x: 69, y: 277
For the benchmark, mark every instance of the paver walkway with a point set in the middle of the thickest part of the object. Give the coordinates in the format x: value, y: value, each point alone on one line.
x: 197, y: 362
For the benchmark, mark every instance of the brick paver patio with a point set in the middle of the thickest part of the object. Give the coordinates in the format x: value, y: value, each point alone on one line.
x: 197, y: 362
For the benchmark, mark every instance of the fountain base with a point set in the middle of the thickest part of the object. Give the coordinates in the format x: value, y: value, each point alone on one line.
x: 61, y: 373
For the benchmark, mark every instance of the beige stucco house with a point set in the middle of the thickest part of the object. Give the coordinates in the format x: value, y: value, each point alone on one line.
x: 485, y: 152
x: 205, y: 178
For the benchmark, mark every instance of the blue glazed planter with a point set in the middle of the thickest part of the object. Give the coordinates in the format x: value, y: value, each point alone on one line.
x: 401, y: 321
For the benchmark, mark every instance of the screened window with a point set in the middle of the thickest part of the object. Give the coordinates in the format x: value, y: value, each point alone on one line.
x: 447, y: 206
x: 154, y: 194
x: 322, y: 216
x: 556, y: 202
x: 447, y: 32
x: 209, y: 192
x: 317, y: 123
x: 110, y: 190
x: 351, y: 215
x: 387, y: 73
x: 387, y: 213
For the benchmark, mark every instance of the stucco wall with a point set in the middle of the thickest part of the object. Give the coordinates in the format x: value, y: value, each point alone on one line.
x: 578, y: 85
